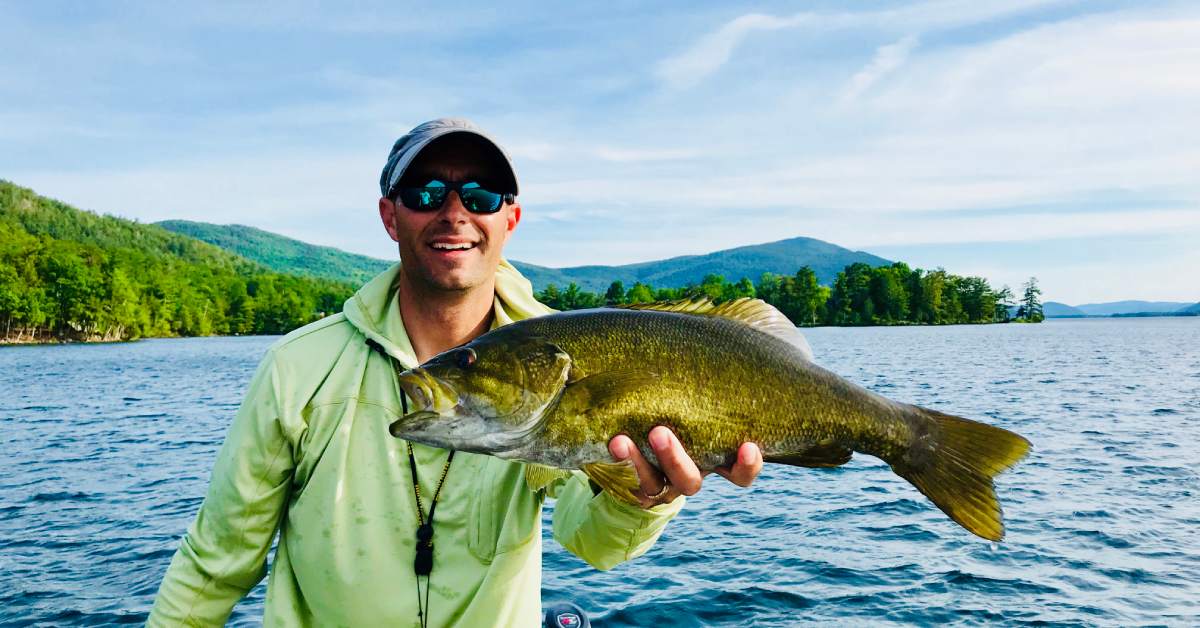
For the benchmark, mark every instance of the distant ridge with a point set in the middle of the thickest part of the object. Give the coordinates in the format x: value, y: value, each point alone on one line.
x: 1054, y: 309
x: 1130, y: 307
x: 783, y: 257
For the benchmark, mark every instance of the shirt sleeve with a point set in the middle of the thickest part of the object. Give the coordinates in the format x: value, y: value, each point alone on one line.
x: 602, y: 530
x: 224, y: 553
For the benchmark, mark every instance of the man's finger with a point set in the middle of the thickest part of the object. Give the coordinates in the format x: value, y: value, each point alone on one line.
x: 622, y: 448
x: 747, y: 466
x: 676, y: 464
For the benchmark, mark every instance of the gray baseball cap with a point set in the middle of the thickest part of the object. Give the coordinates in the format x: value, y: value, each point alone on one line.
x: 406, y: 149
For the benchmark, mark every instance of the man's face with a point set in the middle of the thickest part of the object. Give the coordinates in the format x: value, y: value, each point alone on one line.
x: 421, y: 235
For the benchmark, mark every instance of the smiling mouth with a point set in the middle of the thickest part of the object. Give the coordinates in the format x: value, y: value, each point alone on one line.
x: 446, y: 246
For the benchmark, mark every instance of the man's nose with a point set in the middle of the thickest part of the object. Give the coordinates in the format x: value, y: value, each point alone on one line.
x: 453, y: 209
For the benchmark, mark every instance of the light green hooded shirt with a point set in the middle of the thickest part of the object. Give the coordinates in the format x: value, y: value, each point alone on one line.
x: 309, y: 454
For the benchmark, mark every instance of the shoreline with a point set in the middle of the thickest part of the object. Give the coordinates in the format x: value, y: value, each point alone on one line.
x: 10, y: 342
x: 37, y: 342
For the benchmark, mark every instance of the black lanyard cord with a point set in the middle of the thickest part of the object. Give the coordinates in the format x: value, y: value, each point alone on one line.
x: 423, y: 561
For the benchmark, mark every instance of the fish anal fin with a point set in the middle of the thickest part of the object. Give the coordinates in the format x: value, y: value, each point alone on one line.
x: 538, y: 477
x: 618, y: 478
x: 754, y: 312
x: 817, y: 456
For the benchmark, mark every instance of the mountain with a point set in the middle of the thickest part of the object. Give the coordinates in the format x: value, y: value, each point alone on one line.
x: 282, y: 254
x: 69, y: 274
x: 784, y: 257
x: 1054, y: 309
x: 1130, y: 307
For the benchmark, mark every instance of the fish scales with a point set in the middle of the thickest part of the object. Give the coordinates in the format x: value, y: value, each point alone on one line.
x: 702, y: 391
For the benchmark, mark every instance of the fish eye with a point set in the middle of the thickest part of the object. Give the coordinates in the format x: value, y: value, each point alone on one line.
x: 465, y: 358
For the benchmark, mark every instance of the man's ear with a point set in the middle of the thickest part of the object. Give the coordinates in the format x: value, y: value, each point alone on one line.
x: 514, y: 216
x: 387, y: 213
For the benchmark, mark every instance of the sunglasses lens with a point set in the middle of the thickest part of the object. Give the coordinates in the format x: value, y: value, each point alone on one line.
x: 424, y: 199
x: 478, y: 200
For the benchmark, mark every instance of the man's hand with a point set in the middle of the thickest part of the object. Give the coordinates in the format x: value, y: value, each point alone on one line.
x: 682, y: 476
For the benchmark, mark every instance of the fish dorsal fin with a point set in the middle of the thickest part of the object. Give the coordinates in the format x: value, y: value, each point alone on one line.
x: 754, y: 312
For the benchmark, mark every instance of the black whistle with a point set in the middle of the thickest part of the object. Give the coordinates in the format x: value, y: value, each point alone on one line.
x: 423, y: 563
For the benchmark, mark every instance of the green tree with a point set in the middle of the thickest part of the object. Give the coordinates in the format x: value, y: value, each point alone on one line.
x: 744, y: 288
x: 1031, y: 301
x: 550, y: 297
x: 1004, y: 304
x: 888, y: 294
x: 767, y: 288
x: 615, y: 294
x: 640, y: 293
x: 933, y: 286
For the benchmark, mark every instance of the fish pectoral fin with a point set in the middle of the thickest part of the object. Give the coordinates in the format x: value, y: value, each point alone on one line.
x: 604, y: 383
x: 817, y: 456
x: 538, y: 476
x: 620, y: 479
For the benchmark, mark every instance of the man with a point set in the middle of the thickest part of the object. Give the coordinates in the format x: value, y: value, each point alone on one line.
x: 309, y: 452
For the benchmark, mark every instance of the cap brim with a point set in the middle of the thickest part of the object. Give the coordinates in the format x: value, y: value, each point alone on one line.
x: 414, y: 150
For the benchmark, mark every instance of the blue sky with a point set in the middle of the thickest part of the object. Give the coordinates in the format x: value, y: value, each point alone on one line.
x: 1004, y: 139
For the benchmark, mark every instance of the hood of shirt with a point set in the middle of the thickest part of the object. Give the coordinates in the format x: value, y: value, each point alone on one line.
x: 375, y: 308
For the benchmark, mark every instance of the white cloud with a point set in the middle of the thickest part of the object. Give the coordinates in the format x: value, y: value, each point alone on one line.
x: 610, y: 153
x: 537, y: 151
x: 269, y: 191
x: 1097, y: 282
x: 711, y: 52
x: 887, y: 58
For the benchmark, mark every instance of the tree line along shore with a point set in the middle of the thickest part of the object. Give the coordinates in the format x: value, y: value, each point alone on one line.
x: 860, y: 295
x: 68, y: 275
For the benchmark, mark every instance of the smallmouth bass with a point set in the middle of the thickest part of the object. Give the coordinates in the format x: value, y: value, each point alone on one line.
x: 553, y: 390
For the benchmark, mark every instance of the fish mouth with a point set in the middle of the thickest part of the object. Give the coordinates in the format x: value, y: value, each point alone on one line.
x: 412, y: 420
x: 432, y: 400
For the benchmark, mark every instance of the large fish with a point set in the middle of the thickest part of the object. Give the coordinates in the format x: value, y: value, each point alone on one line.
x: 554, y: 390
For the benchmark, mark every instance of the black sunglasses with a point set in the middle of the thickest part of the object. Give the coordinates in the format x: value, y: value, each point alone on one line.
x: 430, y: 197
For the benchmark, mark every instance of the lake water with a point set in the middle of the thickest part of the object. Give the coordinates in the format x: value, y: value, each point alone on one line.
x: 107, y: 449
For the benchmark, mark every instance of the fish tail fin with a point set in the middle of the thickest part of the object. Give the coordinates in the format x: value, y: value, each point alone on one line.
x: 955, y: 465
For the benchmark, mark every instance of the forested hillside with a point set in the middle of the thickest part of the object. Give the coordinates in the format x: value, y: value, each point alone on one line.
x: 281, y: 253
x: 68, y: 274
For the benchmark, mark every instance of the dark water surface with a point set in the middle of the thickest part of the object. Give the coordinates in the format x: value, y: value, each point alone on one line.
x: 107, y: 450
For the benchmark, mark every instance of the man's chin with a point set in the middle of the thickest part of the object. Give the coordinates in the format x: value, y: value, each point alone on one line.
x: 458, y: 280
